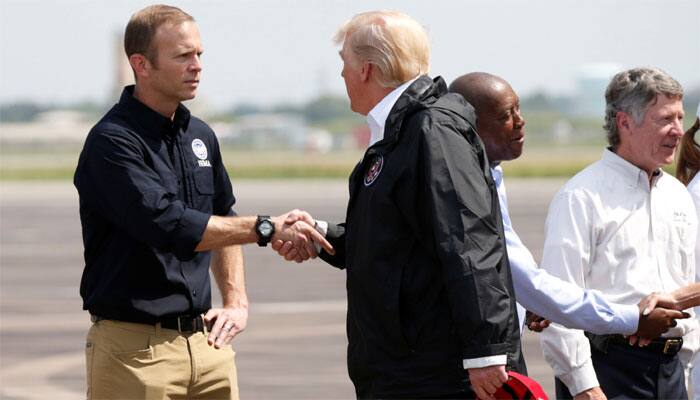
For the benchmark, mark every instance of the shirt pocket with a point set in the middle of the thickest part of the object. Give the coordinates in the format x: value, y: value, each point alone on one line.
x: 204, y: 181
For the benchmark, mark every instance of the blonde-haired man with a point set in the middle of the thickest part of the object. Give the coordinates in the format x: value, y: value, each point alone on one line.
x: 431, y: 312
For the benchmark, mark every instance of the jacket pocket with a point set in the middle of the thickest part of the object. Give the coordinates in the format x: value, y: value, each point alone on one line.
x: 204, y: 181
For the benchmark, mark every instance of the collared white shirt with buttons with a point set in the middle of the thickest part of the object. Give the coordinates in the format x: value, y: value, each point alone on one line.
x: 553, y: 298
x: 609, y: 229
x: 376, y: 118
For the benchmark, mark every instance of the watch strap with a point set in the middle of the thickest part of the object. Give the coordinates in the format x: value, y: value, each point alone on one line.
x: 264, y: 239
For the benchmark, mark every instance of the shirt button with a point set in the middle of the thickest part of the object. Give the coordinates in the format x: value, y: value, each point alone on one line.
x: 194, y: 293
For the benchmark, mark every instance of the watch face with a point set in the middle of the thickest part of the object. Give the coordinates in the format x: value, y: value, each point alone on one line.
x: 265, y: 228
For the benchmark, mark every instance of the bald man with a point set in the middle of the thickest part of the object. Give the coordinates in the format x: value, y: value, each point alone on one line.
x: 502, y: 129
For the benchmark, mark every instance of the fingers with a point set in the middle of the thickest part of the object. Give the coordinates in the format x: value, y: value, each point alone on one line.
x: 209, y: 317
x: 215, y: 332
x: 299, y: 215
x: 291, y: 254
x: 538, y: 326
x: 228, y: 323
x: 481, y: 393
x: 228, y: 331
x: 223, y: 335
x: 318, y: 238
x: 653, y: 300
x: 679, y: 314
x: 648, y: 303
x: 486, y: 381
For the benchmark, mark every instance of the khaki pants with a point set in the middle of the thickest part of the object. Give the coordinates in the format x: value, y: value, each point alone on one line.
x: 134, y: 361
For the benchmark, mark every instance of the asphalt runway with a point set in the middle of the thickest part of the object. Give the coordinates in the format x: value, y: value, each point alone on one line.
x: 294, y: 346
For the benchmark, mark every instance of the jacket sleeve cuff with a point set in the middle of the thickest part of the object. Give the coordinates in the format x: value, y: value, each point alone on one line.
x: 190, y: 231
x: 580, y: 379
x: 482, y: 362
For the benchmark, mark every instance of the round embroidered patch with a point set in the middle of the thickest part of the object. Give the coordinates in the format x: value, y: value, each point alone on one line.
x: 375, y: 168
x: 199, y: 149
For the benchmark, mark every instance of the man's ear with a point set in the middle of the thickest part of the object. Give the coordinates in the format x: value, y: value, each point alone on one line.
x: 624, y: 122
x: 140, y: 65
x: 366, y: 72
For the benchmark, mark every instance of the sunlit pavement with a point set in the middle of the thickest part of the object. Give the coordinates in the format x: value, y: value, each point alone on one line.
x: 294, y: 347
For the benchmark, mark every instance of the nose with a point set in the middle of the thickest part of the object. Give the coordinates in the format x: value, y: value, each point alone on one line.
x: 518, y: 120
x: 677, y: 128
x: 196, y: 64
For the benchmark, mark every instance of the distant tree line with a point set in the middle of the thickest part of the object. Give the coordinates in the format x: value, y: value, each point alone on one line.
x: 328, y: 111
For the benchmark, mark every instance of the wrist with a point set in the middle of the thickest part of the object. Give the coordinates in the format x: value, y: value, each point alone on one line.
x: 265, y: 229
x: 236, y: 303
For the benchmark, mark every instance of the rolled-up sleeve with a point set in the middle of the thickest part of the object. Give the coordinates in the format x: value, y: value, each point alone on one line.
x: 117, y: 181
x: 468, y: 243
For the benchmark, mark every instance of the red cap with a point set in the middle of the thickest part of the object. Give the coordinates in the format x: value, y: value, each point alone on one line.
x: 520, y: 387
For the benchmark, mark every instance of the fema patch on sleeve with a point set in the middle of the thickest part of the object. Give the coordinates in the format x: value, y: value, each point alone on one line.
x: 199, y: 149
x: 375, y: 168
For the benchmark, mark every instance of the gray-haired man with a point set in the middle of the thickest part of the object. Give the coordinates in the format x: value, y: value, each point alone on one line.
x: 627, y: 228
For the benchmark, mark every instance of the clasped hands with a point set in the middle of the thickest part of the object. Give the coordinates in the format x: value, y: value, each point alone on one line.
x: 296, y: 237
x: 658, y: 313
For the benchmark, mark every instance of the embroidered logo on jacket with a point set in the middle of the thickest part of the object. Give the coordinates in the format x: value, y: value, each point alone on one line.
x: 199, y: 149
x: 375, y: 168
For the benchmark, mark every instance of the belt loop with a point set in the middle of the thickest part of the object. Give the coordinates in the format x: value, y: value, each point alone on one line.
x: 158, y: 329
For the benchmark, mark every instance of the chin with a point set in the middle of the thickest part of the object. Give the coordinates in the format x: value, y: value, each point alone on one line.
x: 188, y: 96
x: 516, y: 152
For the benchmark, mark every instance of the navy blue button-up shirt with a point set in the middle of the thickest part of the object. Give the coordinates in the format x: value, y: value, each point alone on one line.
x: 147, y: 187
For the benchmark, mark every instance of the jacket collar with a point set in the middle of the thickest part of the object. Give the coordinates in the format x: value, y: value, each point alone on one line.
x: 376, y: 118
x: 421, y: 92
x: 152, y: 122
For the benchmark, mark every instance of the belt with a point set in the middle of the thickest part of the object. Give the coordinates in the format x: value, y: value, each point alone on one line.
x: 666, y: 346
x: 182, y: 323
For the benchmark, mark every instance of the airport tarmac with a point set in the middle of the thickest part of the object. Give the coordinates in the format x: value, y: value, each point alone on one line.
x: 294, y: 346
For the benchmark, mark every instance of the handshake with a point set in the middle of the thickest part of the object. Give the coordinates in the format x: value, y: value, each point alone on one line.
x: 658, y: 313
x: 296, y: 237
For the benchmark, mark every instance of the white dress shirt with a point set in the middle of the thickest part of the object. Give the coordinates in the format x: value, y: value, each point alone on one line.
x: 376, y: 118
x: 557, y: 300
x: 608, y: 229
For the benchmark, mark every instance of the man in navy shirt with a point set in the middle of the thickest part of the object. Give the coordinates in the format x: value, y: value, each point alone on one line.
x: 156, y: 212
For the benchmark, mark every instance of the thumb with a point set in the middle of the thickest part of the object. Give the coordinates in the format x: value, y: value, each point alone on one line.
x: 210, y: 316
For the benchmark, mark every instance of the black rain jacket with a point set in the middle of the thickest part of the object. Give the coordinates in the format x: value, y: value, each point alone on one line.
x: 428, y: 280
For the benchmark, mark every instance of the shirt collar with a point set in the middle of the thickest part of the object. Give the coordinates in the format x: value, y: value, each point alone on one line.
x: 497, y: 173
x: 635, y: 175
x: 376, y: 118
x: 152, y: 122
